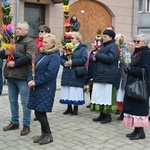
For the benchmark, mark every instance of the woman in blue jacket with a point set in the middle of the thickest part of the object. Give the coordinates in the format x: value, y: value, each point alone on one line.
x: 42, y: 89
x: 72, y: 86
x: 105, y: 79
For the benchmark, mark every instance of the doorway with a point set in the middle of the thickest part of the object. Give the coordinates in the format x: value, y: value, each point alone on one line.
x: 35, y: 16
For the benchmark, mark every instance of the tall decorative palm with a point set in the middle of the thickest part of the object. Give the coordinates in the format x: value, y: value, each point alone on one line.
x: 67, y: 45
x: 7, y: 28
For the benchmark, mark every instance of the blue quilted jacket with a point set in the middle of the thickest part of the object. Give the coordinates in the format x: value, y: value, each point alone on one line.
x: 78, y: 58
x: 47, y: 65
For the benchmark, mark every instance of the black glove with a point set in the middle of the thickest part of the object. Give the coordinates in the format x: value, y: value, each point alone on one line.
x: 127, y: 70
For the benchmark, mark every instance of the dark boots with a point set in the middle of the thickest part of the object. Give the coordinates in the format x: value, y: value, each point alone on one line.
x: 68, y: 110
x: 103, y: 118
x: 38, y: 138
x: 137, y: 134
x: 107, y: 119
x: 75, y: 111
x: 45, y: 138
x: 100, y: 117
x: 120, y: 118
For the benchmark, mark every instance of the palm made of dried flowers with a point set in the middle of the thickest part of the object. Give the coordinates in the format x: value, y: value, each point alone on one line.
x: 121, y: 41
x: 7, y: 28
x: 98, y: 39
x: 66, y: 42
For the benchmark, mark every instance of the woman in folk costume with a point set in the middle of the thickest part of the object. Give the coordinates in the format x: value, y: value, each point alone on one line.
x: 72, y: 86
x: 122, y: 76
x: 125, y: 60
x: 136, y: 111
x: 105, y: 78
x: 90, y: 65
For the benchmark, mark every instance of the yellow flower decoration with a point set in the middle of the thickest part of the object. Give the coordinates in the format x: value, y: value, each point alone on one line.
x: 8, y: 46
x: 69, y: 46
x: 66, y: 8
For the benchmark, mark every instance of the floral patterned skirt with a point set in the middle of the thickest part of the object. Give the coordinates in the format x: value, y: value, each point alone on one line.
x: 103, y: 98
x: 72, y: 95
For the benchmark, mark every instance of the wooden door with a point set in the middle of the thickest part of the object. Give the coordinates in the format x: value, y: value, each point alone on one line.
x: 90, y: 14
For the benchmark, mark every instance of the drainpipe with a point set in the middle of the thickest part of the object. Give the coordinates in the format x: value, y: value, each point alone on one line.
x: 17, y: 12
x: 133, y: 17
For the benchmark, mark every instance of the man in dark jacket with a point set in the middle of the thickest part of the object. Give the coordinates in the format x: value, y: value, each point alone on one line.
x: 16, y: 71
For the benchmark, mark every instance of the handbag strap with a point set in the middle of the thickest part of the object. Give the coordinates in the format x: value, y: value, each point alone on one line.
x: 40, y: 60
x: 143, y: 74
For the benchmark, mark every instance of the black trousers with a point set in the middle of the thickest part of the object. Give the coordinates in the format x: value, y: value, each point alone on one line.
x: 42, y: 117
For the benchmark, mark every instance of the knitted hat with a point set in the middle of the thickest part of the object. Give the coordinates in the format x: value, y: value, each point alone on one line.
x: 110, y: 33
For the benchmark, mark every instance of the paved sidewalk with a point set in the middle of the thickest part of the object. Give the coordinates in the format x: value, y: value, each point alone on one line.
x: 69, y: 132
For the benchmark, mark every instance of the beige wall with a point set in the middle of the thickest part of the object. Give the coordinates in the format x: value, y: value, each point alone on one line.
x: 56, y: 20
x: 121, y: 11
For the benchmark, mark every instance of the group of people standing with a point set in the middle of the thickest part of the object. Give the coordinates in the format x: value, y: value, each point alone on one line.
x: 37, y: 84
x: 112, y: 74
x: 37, y: 88
x: 112, y: 70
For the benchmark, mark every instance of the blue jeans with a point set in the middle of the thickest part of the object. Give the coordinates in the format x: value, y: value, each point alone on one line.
x: 16, y: 87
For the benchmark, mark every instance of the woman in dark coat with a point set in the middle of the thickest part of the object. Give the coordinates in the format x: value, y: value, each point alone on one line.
x: 42, y: 89
x: 74, y: 24
x: 136, y: 111
x: 72, y: 86
x: 105, y: 78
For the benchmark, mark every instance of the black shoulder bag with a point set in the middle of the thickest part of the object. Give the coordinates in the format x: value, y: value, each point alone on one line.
x: 81, y: 71
x: 138, y: 89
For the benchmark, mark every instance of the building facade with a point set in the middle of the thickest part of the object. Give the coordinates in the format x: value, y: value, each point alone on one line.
x: 144, y: 14
x: 123, y: 15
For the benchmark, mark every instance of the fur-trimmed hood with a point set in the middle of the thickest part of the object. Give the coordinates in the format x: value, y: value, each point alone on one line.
x: 51, y: 50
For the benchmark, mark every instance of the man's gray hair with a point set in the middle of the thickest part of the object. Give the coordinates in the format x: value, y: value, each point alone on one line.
x: 26, y: 25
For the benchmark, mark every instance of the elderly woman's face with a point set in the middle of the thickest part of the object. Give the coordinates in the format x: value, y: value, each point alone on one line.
x: 46, y: 43
x: 138, y: 42
x: 106, y: 38
x: 74, y: 40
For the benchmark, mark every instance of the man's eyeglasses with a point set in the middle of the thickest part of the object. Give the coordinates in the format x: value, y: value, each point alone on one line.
x: 41, y: 31
x: 137, y: 41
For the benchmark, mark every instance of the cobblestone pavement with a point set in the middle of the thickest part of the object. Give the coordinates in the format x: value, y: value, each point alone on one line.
x: 69, y: 132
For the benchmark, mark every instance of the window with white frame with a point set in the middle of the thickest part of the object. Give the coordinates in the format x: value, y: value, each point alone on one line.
x: 147, y: 5
x: 141, y: 4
